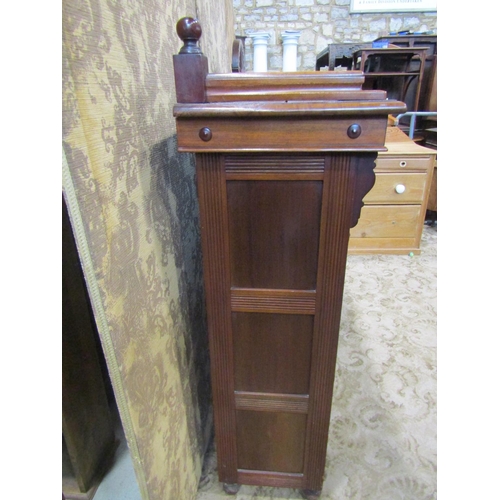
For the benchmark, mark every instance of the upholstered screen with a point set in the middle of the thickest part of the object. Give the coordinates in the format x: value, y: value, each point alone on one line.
x: 132, y: 201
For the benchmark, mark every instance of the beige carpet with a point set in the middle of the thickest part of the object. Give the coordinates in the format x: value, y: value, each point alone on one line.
x: 382, y: 443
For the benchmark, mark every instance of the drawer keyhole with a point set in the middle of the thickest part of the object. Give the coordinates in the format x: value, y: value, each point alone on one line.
x: 402, y: 163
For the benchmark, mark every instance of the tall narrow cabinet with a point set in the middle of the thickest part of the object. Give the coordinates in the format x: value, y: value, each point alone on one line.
x: 283, y: 161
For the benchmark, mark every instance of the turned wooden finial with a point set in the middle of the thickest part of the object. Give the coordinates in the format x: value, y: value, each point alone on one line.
x: 189, y: 31
x: 190, y: 65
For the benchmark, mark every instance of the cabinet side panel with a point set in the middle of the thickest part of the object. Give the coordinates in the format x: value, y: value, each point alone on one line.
x: 215, y: 245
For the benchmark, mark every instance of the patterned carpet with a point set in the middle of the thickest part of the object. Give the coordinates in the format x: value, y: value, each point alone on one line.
x: 382, y: 443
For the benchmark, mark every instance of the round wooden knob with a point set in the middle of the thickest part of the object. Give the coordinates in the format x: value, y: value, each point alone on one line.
x: 189, y: 31
x: 205, y: 134
x: 354, y: 131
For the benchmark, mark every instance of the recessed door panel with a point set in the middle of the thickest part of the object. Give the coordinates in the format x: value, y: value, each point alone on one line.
x: 274, y: 233
x: 269, y: 441
x: 272, y: 352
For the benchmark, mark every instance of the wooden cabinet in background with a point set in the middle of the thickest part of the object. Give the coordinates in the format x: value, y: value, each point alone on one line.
x: 394, y: 69
x: 428, y: 92
x: 394, y: 210
x: 341, y: 54
x: 338, y: 54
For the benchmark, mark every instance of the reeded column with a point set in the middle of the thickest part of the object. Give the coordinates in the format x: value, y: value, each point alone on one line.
x: 290, y: 43
x: 260, y: 50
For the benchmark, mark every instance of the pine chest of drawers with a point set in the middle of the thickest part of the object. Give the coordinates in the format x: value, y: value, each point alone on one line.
x: 393, y: 214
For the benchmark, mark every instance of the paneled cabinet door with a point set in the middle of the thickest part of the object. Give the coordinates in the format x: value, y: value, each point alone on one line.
x: 275, y: 229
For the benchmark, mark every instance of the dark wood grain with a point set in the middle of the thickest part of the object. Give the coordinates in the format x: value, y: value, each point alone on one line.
x: 215, y: 246
x: 273, y: 301
x: 289, y: 109
x: 262, y: 216
x: 272, y: 352
x: 254, y: 135
x: 365, y: 179
x: 274, y: 167
x: 189, y: 31
x: 258, y: 401
x: 190, y: 71
x: 338, y: 200
x: 271, y: 441
x: 190, y: 65
x: 302, y: 86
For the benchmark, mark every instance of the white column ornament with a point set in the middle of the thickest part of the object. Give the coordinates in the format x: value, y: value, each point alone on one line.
x: 260, y: 50
x: 290, y: 43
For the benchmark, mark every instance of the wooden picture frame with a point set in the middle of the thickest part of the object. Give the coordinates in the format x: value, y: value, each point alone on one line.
x: 366, y: 6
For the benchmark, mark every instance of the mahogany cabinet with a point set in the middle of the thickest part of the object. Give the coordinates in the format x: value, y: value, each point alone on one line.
x: 283, y: 161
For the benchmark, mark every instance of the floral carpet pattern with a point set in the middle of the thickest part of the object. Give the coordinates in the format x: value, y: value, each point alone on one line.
x: 382, y: 440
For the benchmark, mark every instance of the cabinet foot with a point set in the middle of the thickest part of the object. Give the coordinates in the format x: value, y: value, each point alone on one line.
x: 310, y: 494
x: 231, y: 489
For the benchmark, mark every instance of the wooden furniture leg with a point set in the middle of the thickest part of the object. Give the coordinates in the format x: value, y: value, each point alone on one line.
x: 310, y: 494
x: 231, y: 489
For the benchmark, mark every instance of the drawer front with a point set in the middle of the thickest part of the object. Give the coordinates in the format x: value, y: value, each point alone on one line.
x: 278, y: 134
x: 389, y: 221
x: 402, y: 163
x: 397, y: 188
x: 394, y: 246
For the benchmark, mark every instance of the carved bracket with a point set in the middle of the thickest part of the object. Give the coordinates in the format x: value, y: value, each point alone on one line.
x: 365, y: 179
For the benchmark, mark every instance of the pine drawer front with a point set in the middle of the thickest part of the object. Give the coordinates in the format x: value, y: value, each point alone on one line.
x: 387, y: 221
x: 402, y: 163
x: 395, y: 246
x: 397, y: 188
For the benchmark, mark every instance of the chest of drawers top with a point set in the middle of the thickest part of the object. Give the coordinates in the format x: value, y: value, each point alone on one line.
x: 403, y: 155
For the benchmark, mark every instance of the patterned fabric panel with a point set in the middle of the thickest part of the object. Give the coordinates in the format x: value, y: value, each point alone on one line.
x: 137, y: 198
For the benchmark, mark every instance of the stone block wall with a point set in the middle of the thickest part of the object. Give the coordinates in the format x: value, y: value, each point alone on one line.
x: 321, y: 22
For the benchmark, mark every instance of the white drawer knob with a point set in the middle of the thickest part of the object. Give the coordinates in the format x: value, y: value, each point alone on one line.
x: 400, y: 188
x: 402, y: 163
